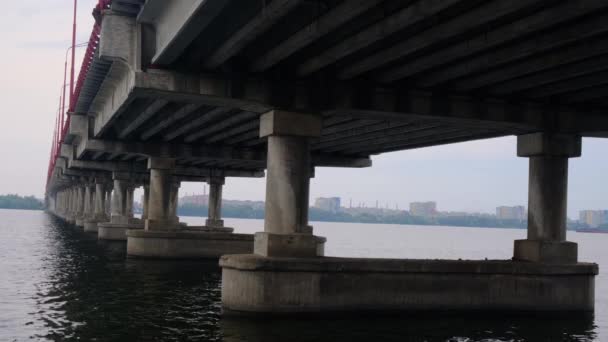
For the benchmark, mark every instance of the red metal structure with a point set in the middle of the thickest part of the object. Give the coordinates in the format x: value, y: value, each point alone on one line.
x: 62, y: 121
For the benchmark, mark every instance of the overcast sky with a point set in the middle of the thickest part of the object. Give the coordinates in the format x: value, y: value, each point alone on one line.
x: 474, y: 176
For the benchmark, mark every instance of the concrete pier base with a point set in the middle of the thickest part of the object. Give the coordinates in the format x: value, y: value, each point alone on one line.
x: 187, y: 243
x: 253, y: 284
x: 90, y: 226
x: 115, y: 231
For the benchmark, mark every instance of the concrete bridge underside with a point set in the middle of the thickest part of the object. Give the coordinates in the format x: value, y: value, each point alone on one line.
x: 200, y: 90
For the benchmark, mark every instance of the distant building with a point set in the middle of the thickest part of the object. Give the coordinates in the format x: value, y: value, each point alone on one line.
x: 331, y: 204
x: 424, y: 209
x: 593, y: 218
x: 517, y: 212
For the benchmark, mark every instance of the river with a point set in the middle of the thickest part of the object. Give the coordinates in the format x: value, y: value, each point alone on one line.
x: 59, y: 284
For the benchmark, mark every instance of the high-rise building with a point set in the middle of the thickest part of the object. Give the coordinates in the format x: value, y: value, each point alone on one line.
x: 424, y: 209
x: 593, y: 218
x: 331, y: 204
x: 517, y: 212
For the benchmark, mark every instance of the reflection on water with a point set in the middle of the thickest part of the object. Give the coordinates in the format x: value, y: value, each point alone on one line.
x: 59, y: 283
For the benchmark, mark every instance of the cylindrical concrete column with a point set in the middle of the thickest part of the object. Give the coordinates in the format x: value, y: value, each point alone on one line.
x: 100, y: 202
x: 119, y: 199
x: 108, y: 194
x: 81, y: 199
x: 73, y: 202
x: 174, y: 200
x: 214, y: 217
x: 547, y: 197
x: 144, y: 214
x: 129, y: 201
x: 286, y: 230
x: 159, y: 204
x: 287, y: 185
x: 89, y: 197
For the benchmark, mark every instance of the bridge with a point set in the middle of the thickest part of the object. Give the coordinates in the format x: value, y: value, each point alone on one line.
x: 201, y: 90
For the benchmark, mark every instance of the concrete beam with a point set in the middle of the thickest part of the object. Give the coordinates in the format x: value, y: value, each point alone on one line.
x: 269, y: 15
x: 209, y: 116
x: 443, y: 31
x: 561, y: 13
x: 141, y: 118
x: 238, y: 131
x: 221, y: 126
x: 409, y: 16
x: 558, y: 58
x: 328, y: 22
x: 177, y: 23
x: 543, y: 42
x: 582, y: 68
x: 170, y: 119
x: 117, y: 38
x: 157, y: 150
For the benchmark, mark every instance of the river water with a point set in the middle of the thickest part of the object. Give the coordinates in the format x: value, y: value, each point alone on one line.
x: 60, y: 284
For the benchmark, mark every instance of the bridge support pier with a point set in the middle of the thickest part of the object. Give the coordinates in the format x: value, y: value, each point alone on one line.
x: 80, y: 201
x: 214, y: 216
x: 288, y: 275
x: 120, y: 220
x: 89, y: 208
x: 164, y: 237
x: 99, y: 208
x: 547, y: 198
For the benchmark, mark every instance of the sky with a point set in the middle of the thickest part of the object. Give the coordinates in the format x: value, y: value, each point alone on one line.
x: 475, y: 176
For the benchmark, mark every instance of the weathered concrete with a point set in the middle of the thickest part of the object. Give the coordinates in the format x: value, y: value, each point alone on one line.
x: 99, y: 215
x: 186, y: 244
x: 144, y: 214
x: 161, y: 211
x: 286, y: 229
x: 165, y: 237
x: 214, y: 216
x: 547, y: 197
x: 116, y: 231
x: 120, y: 221
x: 254, y: 284
x: 80, y: 201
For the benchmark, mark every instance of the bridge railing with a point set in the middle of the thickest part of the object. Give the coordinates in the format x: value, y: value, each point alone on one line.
x: 61, y: 130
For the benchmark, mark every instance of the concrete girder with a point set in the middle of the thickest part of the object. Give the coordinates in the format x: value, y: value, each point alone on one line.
x: 170, y: 119
x: 371, y: 103
x: 380, y: 102
x: 542, y: 42
x: 535, y: 64
x: 145, y: 115
x: 561, y: 13
x: 315, y: 30
x: 174, y: 150
x: 211, y: 115
x: 192, y: 174
x: 202, y: 153
x: 449, y: 137
x: 270, y: 14
x: 177, y: 23
x: 234, y: 131
x: 546, y: 78
x: 485, y: 14
x: 340, y: 141
x: 409, y: 16
x: 584, y: 82
x: 222, y: 125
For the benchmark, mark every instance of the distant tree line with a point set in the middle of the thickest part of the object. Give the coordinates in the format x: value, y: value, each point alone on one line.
x: 19, y: 202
